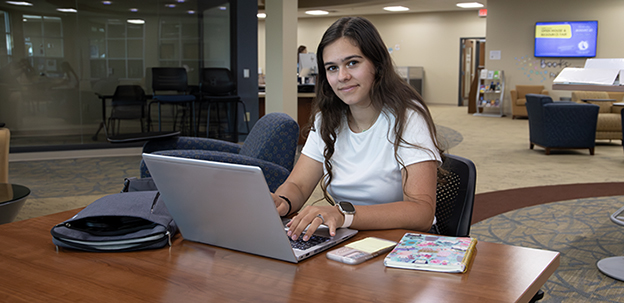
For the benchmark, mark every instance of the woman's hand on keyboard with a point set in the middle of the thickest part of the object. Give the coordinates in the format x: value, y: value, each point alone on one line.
x: 311, y: 217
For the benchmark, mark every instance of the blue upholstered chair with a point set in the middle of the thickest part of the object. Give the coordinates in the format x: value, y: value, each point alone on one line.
x: 271, y: 145
x: 561, y: 125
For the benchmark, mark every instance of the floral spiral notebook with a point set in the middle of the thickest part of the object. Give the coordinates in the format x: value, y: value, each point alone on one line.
x: 432, y: 253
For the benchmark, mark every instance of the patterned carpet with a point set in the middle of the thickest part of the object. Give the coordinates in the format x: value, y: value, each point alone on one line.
x: 59, y: 185
x: 580, y: 230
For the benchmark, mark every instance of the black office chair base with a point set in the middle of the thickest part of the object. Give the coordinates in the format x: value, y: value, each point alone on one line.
x: 538, y: 296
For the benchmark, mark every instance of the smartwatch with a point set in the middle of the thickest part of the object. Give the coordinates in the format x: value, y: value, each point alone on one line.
x: 347, y: 209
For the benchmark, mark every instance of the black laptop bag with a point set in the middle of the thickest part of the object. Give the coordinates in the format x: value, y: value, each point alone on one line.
x: 126, y: 221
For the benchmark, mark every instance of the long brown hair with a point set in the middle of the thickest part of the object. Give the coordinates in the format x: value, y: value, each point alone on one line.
x: 389, y: 91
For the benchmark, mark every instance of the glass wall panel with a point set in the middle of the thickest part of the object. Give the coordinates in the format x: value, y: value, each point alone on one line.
x: 216, y: 27
x: 54, y: 64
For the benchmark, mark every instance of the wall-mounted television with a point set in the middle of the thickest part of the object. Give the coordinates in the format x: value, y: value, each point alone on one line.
x: 566, y: 39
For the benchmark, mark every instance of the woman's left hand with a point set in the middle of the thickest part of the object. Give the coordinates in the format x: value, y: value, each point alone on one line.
x: 311, y: 217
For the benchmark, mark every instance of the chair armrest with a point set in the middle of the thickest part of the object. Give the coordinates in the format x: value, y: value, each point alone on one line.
x: 514, y: 95
x: 191, y: 143
x: 617, y: 108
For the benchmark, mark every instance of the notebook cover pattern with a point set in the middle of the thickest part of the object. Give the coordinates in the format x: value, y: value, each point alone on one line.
x: 432, y: 253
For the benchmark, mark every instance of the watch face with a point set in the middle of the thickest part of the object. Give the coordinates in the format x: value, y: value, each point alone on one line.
x: 346, y: 207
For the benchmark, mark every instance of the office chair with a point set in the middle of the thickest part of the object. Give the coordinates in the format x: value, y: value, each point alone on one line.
x: 218, y: 88
x: 455, y: 196
x: 271, y: 145
x: 128, y: 103
x: 172, y: 82
x: 455, y: 200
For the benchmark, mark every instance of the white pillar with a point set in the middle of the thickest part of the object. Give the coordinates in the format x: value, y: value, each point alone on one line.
x: 281, y: 57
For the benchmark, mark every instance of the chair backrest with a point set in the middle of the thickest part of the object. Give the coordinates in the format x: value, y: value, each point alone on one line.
x: 128, y: 95
x: 455, y: 197
x: 535, y: 112
x: 169, y: 79
x: 528, y: 89
x: 273, y: 138
x: 5, y: 139
x: 618, y: 96
x: 578, y: 96
x: 535, y: 103
x: 217, y: 81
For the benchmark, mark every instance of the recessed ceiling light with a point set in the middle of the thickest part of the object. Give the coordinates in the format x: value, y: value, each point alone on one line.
x: 67, y: 10
x: 136, y: 21
x: 107, y: 2
x: 134, y: 10
x: 396, y: 8
x: 170, y: 5
x: 470, y: 5
x: 317, y: 12
x: 20, y: 3
x: 190, y: 12
x: 261, y: 15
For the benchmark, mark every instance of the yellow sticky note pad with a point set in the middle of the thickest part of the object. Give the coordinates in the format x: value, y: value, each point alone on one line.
x: 371, y: 245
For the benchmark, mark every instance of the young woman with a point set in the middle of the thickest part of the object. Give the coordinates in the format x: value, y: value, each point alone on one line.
x: 372, y: 146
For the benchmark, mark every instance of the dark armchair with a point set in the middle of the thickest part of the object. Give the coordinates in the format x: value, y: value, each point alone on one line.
x: 271, y: 145
x: 561, y: 125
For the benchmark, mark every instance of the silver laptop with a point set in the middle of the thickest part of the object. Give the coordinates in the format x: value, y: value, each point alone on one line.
x: 230, y: 205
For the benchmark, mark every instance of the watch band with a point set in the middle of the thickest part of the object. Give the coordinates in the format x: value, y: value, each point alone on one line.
x: 289, y: 205
x: 347, y: 221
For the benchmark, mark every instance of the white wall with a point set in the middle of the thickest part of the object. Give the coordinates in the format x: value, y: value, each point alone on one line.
x: 430, y: 40
x: 510, y: 29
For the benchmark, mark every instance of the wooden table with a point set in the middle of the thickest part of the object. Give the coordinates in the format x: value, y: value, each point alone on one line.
x: 33, y: 271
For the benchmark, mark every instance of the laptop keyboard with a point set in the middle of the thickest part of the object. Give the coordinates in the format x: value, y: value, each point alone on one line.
x: 303, y: 245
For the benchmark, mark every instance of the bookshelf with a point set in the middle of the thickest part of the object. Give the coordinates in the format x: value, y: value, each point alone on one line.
x: 490, y: 92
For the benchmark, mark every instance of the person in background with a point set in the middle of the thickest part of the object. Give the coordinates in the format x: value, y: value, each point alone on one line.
x: 372, y: 144
x: 302, y: 49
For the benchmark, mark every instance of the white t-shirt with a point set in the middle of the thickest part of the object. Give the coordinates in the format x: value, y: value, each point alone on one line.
x: 365, y: 171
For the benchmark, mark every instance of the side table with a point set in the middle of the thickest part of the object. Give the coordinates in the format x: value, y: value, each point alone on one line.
x: 12, y: 198
x: 614, y: 266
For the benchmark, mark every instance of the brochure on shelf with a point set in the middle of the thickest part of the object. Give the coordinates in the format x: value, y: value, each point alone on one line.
x: 484, y: 73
